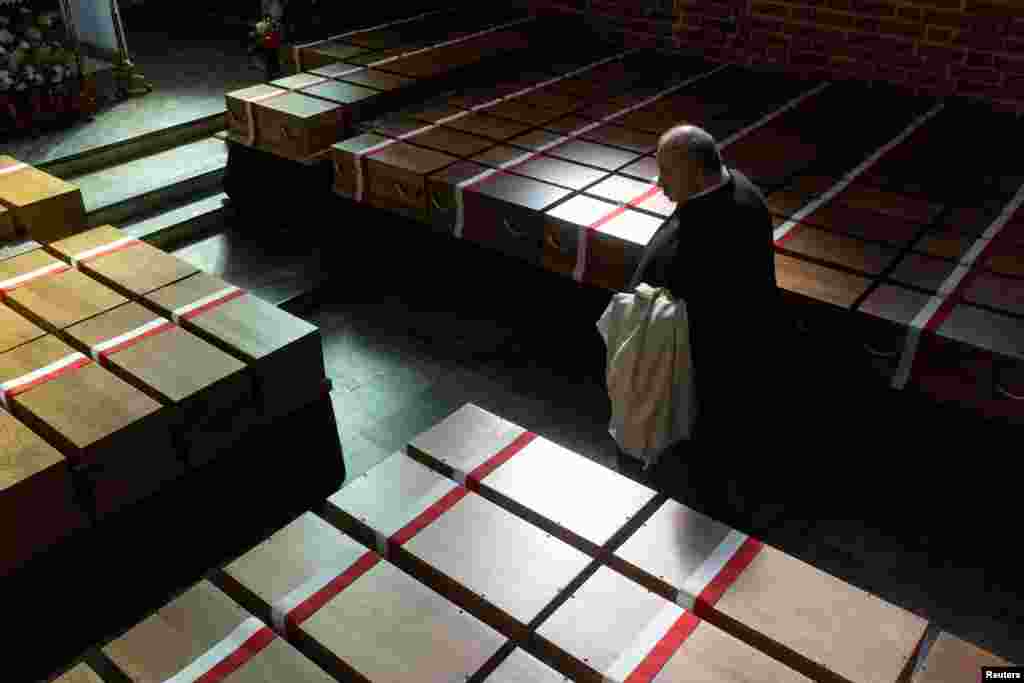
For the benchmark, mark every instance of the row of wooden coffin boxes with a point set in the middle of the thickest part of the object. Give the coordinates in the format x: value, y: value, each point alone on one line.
x: 124, y: 365
x: 302, y: 115
x: 439, y: 561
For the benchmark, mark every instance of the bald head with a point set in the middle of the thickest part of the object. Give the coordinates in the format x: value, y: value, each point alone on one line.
x: 688, y: 161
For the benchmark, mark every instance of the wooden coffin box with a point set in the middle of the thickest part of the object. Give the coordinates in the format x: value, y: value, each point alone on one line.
x: 357, y: 100
x: 522, y: 667
x: 240, y: 116
x: 297, y: 126
x: 596, y: 242
x: 441, y: 190
x: 527, y: 474
x: 208, y: 393
x: 81, y: 673
x: 113, y: 435
x: 349, y: 159
x: 300, y: 81
x: 620, y: 189
x: 488, y: 561
x: 951, y: 659
x: 376, y: 79
x: 42, y: 207
x: 38, y: 503
x: 8, y: 230
x: 505, y: 212
x: 356, y: 614
x: 814, y: 622
x: 328, y: 53
x: 204, y: 636
x: 16, y: 330
x: 285, y: 352
x: 396, y: 178
x: 612, y: 629
x: 124, y: 264
x: 52, y: 294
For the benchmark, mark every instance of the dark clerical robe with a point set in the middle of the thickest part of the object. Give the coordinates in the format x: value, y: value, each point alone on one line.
x: 716, y: 253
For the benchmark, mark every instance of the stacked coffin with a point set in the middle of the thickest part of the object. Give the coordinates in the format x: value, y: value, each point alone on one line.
x: 37, y: 205
x: 120, y: 366
x: 300, y: 116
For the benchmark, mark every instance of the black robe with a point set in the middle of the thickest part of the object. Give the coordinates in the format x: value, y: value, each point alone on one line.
x: 716, y: 252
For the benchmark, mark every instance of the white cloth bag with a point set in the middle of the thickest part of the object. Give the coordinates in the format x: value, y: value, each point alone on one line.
x: 650, y: 371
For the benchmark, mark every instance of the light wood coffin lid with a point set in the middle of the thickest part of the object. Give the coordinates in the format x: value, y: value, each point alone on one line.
x: 248, y: 324
x: 26, y: 263
x: 139, y: 269
x: 29, y: 185
x: 16, y: 330
x: 82, y: 673
x: 409, y: 623
x: 609, y: 617
x: 176, y: 363
x: 188, y: 627
x: 952, y: 660
x: 535, y: 477
x: 76, y: 244
x: 63, y: 299
x: 522, y: 667
x: 84, y: 405
x: 22, y: 453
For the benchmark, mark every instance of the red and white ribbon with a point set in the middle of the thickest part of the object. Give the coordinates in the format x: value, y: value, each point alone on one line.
x: 250, y: 118
x: 391, y: 528
x: 941, y: 305
x: 557, y: 142
x: 453, y: 41
x: 290, y: 611
x: 653, y: 647
x: 20, y: 385
x: 227, y: 656
x: 101, y: 351
x: 13, y: 283
x: 719, y: 571
x: 357, y: 157
x: 297, y: 49
x: 13, y: 167
x: 782, y: 232
x: 104, y: 249
x: 472, y: 472
x: 218, y: 298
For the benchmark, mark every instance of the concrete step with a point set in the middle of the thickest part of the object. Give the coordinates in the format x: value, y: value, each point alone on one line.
x: 183, y: 223
x: 141, y: 187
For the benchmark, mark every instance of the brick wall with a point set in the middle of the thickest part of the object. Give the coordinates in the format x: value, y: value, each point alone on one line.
x: 940, y: 47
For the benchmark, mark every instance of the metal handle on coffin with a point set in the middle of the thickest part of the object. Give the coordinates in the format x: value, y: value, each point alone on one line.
x: 552, y: 242
x: 880, y: 354
x: 437, y: 204
x: 401, y: 192
x: 285, y: 133
x: 1001, y: 390
x: 518, y: 234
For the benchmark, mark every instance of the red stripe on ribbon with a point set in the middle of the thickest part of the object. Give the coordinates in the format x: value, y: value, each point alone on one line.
x: 213, y: 304
x: 499, y: 459
x: 659, y: 655
x: 736, y: 565
x: 443, y: 505
x: 127, y: 343
x: 58, y: 271
x: 237, y: 659
x: 308, y: 607
x: 21, y: 389
x: 120, y: 247
x: 618, y: 211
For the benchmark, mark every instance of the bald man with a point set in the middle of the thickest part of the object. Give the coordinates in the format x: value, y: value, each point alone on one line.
x: 716, y: 253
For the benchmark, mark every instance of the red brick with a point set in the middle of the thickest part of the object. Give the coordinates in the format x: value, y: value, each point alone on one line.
x: 769, y: 8
x: 1009, y: 64
x: 943, y: 18
x: 976, y: 89
x: 842, y: 5
x: 901, y: 28
x: 910, y: 13
x: 950, y: 4
x: 1015, y: 45
x: 979, y: 75
x: 808, y: 59
x: 941, y: 54
x: 765, y: 39
x: 980, y: 59
x: 1015, y: 86
x: 802, y: 13
x: 980, y: 41
x: 764, y: 24
x: 988, y: 9
x: 836, y: 19
x: 878, y: 9
x: 940, y: 34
